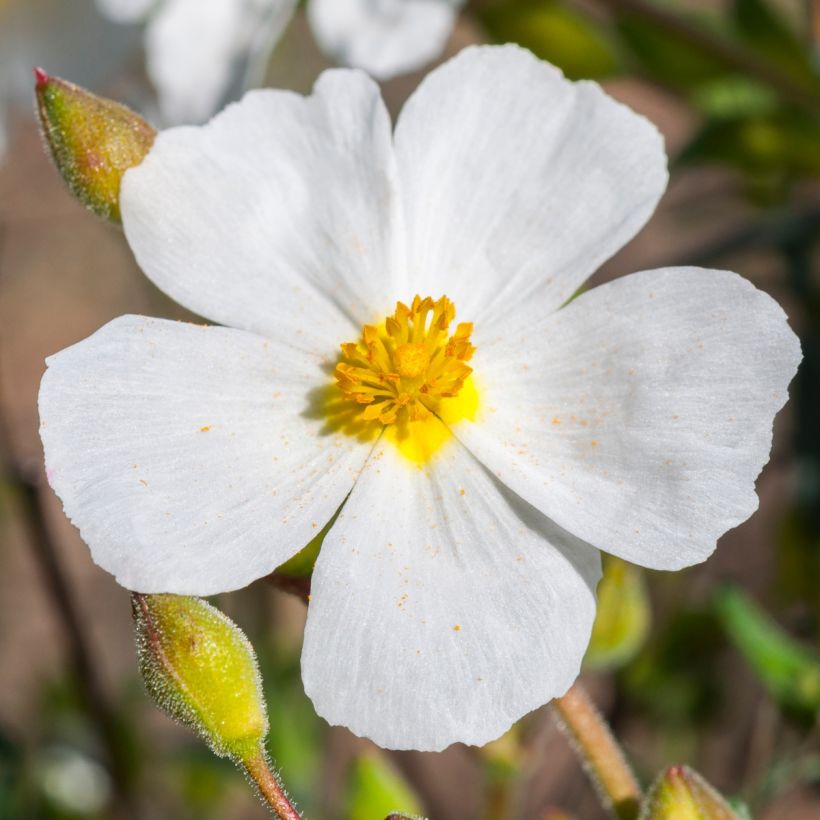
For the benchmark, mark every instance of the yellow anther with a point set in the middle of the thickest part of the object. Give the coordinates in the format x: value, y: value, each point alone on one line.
x: 402, y: 369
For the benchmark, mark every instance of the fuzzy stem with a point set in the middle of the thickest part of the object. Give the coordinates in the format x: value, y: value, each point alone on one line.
x: 269, y: 787
x: 600, y: 753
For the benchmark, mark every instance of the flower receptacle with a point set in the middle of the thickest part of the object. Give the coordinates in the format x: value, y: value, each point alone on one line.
x: 92, y: 140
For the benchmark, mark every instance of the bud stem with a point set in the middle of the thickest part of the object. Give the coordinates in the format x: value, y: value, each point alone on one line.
x: 269, y: 787
x: 600, y: 753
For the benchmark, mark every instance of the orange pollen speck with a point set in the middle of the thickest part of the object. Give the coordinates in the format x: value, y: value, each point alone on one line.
x: 402, y: 369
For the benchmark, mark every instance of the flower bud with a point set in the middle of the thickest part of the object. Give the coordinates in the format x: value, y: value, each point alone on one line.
x: 623, y: 618
x: 92, y: 140
x: 682, y: 794
x: 200, y: 668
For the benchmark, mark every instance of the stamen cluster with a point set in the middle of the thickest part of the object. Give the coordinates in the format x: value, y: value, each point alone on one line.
x: 402, y: 370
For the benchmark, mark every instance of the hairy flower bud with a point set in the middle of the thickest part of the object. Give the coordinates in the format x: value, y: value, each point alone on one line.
x: 682, y: 794
x: 92, y: 140
x: 200, y: 668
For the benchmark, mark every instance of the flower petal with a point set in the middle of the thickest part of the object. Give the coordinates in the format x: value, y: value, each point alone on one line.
x: 278, y: 216
x: 638, y: 416
x: 192, y: 458
x: 518, y: 182
x: 385, y: 38
x: 196, y: 50
x: 443, y: 607
x: 125, y: 11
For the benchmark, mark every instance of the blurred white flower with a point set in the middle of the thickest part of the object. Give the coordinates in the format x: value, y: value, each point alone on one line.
x: 384, y: 37
x: 456, y: 589
x: 73, y: 781
x: 195, y: 49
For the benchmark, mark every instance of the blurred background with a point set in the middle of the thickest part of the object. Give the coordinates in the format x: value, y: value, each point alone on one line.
x: 715, y: 666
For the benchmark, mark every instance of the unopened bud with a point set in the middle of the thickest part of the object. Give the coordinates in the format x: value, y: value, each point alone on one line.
x: 623, y: 619
x: 682, y: 794
x: 200, y: 668
x: 92, y: 140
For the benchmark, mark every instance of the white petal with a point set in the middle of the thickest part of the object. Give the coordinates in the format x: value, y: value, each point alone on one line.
x: 443, y: 608
x: 276, y: 217
x: 126, y: 11
x: 384, y: 37
x: 191, y: 458
x: 639, y: 416
x: 518, y: 182
x: 195, y: 49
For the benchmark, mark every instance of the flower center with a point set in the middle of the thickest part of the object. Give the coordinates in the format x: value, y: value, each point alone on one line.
x: 402, y: 370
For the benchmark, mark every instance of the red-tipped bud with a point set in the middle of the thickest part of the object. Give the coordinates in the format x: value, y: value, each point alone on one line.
x: 93, y: 141
x: 682, y: 794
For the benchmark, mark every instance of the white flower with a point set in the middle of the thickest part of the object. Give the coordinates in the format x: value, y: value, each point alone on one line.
x: 193, y: 48
x: 455, y: 591
x: 384, y: 37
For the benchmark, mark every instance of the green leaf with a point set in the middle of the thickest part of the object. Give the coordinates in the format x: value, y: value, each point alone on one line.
x: 666, y: 57
x: 377, y: 790
x: 772, y: 152
x: 789, y: 670
x: 734, y: 97
x: 762, y: 28
x: 623, y: 619
x: 575, y: 43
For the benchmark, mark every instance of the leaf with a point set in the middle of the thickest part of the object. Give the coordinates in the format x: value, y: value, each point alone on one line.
x: 377, y: 790
x: 789, y: 670
x: 576, y: 44
x: 666, y: 57
x: 762, y: 28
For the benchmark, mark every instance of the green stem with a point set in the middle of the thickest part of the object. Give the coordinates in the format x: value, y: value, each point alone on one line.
x: 599, y: 752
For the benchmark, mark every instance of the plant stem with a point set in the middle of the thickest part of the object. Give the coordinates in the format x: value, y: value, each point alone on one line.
x: 600, y: 753
x: 269, y: 787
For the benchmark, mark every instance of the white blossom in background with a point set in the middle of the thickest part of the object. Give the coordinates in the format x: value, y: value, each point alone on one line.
x: 481, y: 464
x: 384, y: 37
x: 194, y: 49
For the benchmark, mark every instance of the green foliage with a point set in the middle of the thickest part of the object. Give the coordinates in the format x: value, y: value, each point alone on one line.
x: 623, y: 618
x: 790, y: 671
x: 575, y: 43
x: 377, y: 790
x: 666, y: 56
x: 761, y: 28
x: 663, y: 681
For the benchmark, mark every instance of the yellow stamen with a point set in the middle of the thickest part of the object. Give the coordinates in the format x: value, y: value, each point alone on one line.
x: 408, y: 371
